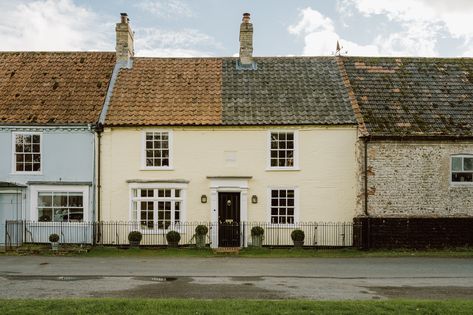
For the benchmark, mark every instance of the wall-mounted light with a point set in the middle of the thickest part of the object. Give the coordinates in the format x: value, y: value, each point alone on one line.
x: 254, y: 199
x: 203, y: 199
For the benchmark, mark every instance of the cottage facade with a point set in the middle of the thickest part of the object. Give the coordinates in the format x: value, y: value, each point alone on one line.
x: 228, y: 140
x: 416, y: 150
x: 49, y: 107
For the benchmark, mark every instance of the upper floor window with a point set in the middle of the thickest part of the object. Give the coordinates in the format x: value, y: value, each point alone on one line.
x: 283, y: 150
x: 157, y: 150
x: 462, y: 168
x: 27, y: 152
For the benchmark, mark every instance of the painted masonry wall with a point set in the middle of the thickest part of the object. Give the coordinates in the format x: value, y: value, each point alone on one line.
x: 326, y: 179
x: 67, y: 154
x: 413, y: 179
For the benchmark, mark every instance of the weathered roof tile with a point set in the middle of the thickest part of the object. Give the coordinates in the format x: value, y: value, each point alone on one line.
x: 53, y: 87
x: 413, y: 96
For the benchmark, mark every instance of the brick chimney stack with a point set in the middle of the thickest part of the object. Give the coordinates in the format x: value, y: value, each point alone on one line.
x: 124, y: 48
x: 246, y: 41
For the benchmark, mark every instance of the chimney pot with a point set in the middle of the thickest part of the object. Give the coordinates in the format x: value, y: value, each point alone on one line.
x: 124, y: 18
x: 246, y: 17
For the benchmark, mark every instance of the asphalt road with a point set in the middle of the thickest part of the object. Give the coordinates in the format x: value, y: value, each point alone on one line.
x: 233, y: 277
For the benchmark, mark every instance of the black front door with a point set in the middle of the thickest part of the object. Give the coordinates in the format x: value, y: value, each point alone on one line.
x: 228, y: 219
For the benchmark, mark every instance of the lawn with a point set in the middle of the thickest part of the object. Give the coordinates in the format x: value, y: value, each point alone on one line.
x: 176, y: 306
x: 101, y: 251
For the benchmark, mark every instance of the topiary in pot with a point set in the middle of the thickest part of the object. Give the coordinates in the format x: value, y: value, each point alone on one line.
x: 54, y: 239
x: 257, y: 236
x: 298, y: 237
x: 173, y: 238
x: 200, y: 233
x: 134, y: 237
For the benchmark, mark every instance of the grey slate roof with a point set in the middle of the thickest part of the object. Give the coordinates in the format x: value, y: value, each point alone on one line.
x: 285, y: 90
x: 400, y: 97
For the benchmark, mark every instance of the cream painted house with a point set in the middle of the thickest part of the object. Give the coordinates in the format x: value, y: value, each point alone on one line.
x: 226, y: 141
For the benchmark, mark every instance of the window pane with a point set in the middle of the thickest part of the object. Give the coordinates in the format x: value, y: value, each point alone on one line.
x: 76, y: 214
x: 75, y: 200
x: 60, y: 215
x: 462, y: 177
x: 45, y: 200
x: 36, y: 138
x: 45, y: 214
x: 456, y: 163
x: 60, y: 199
x: 468, y: 164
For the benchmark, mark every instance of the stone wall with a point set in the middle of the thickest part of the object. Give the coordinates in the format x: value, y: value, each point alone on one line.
x: 413, y: 179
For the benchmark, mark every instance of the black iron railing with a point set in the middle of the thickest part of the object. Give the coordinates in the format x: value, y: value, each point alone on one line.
x: 317, y: 234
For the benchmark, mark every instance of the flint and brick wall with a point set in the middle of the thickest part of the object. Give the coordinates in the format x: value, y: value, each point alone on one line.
x: 412, y: 179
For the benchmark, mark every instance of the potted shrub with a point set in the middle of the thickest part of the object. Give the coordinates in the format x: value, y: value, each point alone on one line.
x: 173, y: 238
x: 135, y: 238
x: 298, y: 237
x: 257, y: 236
x: 200, y: 234
x: 54, y: 239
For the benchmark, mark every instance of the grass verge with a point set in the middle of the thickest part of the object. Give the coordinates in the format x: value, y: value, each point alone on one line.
x: 180, y: 306
x: 99, y: 251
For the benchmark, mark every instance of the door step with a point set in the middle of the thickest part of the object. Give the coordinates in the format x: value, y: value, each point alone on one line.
x: 227, y: 250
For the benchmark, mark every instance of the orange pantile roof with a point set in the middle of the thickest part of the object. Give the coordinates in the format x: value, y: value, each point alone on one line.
x: 53, y: 87
x: 168, y: 91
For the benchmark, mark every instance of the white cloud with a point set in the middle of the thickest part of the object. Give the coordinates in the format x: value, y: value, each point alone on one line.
x: 163, y: 43
x: 311, y: 21
x: 165, y: 9
x: 422, y: 22
x: 45, y: 25
x: 320, y: 37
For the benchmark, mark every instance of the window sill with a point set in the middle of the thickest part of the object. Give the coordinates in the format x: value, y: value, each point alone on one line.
x: 282, y: 169
x: 283, y: 226
x: 26, y: 173
x: 461, y: 184
x: 157, y: 169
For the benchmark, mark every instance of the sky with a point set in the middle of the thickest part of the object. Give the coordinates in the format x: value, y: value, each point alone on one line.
x: 189, y: 28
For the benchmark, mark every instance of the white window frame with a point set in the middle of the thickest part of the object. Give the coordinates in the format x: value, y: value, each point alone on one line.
x: 183, y: 213
x: 143, y: 151
x: 35, y: 190
x: 296, y: 206
x: 295, y: 167
x: 452, y: 183
x: 13, y: 155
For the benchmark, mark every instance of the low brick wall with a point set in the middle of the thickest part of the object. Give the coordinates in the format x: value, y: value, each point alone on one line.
x: 413, y: 232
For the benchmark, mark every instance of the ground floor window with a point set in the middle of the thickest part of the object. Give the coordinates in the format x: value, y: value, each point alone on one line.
x: 462, y: 168
x: 282, y: 206
x: 157, y: 208
x: 60, y: 206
